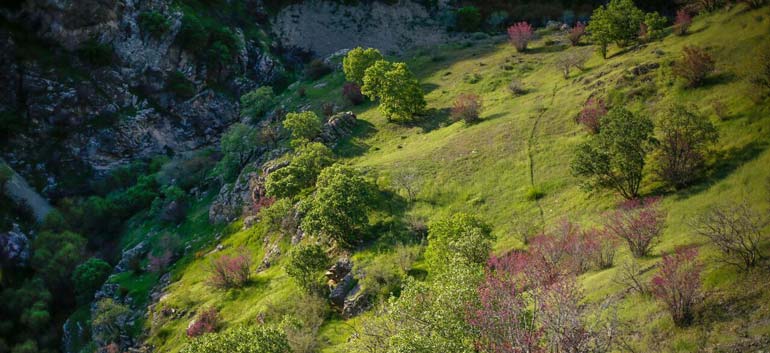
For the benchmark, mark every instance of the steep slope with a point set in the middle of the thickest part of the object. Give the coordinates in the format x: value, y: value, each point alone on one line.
x: 522, y: 146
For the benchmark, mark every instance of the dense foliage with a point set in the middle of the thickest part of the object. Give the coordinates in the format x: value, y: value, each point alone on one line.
x: 241, y: 339
x: 615, y: 157
x: 398, y: 91
x: 338, y: 211
x: 357, y: 61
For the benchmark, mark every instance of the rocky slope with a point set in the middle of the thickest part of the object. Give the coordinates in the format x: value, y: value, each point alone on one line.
x: 101, y: 116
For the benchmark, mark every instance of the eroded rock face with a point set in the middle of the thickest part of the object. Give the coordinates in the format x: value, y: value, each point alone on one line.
x: 338, y: 127
x: 101, y: 117
x: 14, y: 247
x: 323, y: 27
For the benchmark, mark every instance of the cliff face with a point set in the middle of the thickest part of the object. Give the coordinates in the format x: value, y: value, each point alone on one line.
x: 324, y: 27
x: 99, y: 115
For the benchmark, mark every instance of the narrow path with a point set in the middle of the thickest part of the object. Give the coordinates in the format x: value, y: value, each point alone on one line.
x: 531, y: 142
x: 17, y: 189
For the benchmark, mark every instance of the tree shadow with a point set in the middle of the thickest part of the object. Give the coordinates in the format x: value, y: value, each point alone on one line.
x: 433, y: 119
x: 719, y: 78
x: 429, y: 87
x: 352, y: 145
x: 555, y: 48
x: 727, y: 162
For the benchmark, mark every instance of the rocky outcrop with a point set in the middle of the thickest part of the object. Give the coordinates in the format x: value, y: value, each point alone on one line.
x: 338, y: 127
x: 103, y: 116
x: 323, y: 27
x: 14, y: 248
x: 346, y: 294
x: 240, y: 198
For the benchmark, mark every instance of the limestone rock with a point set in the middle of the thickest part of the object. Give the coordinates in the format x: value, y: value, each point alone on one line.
x: 14, y: 247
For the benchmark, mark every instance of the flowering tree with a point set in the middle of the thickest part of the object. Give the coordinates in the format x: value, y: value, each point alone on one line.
x: 678, y: 284
x: 206, y: 322
x: 694, y: 66
x: 639, y: 223
x: 565, y: 324
x: 230, y: 271
x: 520, y: 34
x: 576, y: 33
x: 508, y: 310
x: 590, y: 117
x: 601, y: 247
x: 682, y: 22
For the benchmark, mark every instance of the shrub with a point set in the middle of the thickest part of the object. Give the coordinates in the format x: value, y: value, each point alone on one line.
x: 577, y: 33
x: 55, y: 255
x: 241, y: 339
x: 88, y: 277
x: 615, y: 157
x: 467, y: 107
x: 223, y: 46
x: 694, y: 66
x: 461, y: 237
x: 630, y: 276
x: 684, y: 140
x: 601, y: 247
x: 398, y: 91
x: 303, y: 125
x: 258, y: 102
x: 192, y: 33
x: 317, y: 69
x: 95, y: 53
x: 240, y: 145
x: 382, y: 277
x: 301, y: 172
x: 678, y: 284
x: 520, y: 34
x: 590, y: 117
x: 618, y: 22
x: 654, y: 26
x: 154, y: 23
x: 567, y: 60
x: 158, y: 263
x: 736, y: 231
x: 339, y: 209
x: 206, y: 321
x: 516, y: 87
x: 109, y: 320
x: 468, y: 18
x: 306, y: 264
x: 639, y: 223
x: 180, y: 85
x: 357, y: 61
x: 352, y: 92
x: 230, y: 271
x: 505, y: 317
x: 682, y: 22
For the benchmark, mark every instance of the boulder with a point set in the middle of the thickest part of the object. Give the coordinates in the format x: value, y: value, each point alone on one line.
x: 338, y: 127
x: 14, y: 247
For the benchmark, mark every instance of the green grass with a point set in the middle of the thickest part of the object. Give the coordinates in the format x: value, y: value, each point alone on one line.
x: 514, y: 165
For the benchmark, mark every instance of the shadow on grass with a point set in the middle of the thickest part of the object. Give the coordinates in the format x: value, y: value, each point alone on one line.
x: 720, y: 78
x: 351, y: 145
x: 433, y: 119
x: 727, y: 162
x: 548, y: 49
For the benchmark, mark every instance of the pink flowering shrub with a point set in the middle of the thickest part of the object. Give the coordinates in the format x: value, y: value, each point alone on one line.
x: 678, y: 284
x: 520, y: 34
x: 639, y: 222
x: 590, y: 117
x: 230, y: 271
x: 206, y: 322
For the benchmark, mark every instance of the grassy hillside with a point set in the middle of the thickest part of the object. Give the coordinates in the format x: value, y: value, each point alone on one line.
x: 513, y: 167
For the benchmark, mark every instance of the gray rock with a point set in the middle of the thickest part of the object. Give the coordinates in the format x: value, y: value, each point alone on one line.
x: 338, y: 127
x: 356, y: 302
x: 14, y: 247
